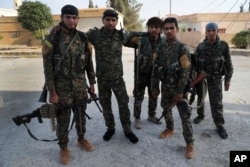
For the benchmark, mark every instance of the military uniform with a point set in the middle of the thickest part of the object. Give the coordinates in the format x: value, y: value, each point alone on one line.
x: 171, y: 66
x: 215, y: 60
x: 65, y: 73
x: 109, y: 73
x: 148, y: 47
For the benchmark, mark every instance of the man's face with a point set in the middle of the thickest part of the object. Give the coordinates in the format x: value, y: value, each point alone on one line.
x: 211, y: 34
x: 110, y: 23
x: 70, y: 21
x: 170, y: 31
x: 154, y: 30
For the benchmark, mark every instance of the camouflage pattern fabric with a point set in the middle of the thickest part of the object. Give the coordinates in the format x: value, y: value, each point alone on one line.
x: 215, y: 60
x: 148, y: 47
x: 175, y: 78
x: 70, y: 82
x: 109, y: 72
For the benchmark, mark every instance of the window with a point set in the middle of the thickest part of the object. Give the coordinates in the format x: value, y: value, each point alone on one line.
x: 221, y: 30
x: 15, y: 34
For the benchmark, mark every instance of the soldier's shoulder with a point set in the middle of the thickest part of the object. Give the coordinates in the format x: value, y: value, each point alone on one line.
x: 82, y: 35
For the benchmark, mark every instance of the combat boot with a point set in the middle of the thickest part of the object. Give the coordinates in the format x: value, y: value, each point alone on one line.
x: 222, y: 132
x: 166, y: 133
x: 189, y: 151
x: 84, y: 144
x: 198, y: 119
x: 137, y: 123
x: 64, y: 156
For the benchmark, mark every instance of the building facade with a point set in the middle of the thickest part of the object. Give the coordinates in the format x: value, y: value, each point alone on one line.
x: 13, y: 33
x: 192, y: 27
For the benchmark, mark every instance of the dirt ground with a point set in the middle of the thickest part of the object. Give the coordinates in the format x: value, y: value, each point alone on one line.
x: 20, y: 87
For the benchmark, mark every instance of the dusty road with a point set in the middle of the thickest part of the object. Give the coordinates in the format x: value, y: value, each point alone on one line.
x: 21, y: 81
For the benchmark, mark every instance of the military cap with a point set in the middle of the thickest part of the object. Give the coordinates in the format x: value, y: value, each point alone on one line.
x: 211, y: 26
x: 69, y: 9
x: 110, y: 13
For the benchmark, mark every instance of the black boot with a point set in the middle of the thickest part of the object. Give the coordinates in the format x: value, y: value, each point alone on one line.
x: 108, y: 134
x: 198, y: 119
x: 132, y: 137
x: 222, y: 132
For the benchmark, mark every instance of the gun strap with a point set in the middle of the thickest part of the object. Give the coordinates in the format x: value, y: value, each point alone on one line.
x: 46, y: 140
x: 61, y: 45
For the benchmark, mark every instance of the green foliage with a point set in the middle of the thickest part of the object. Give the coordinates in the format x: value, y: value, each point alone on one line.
x: 1, y: 37
x: 241, y: 39
x: 35, y: 16
x: 91, y: 5
x: 130, y: 9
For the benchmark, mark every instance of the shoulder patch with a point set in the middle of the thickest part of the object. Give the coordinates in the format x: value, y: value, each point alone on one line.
x: 48, y: 44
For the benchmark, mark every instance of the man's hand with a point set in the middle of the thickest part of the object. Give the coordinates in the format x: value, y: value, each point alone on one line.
x: 53, y: 97
x: 92, y: 90
x: 178, y: 98
x: 155, y: 94
x: 226, y: 85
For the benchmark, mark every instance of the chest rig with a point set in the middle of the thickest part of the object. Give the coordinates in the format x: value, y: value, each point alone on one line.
x: 211, y: 59
x: 69, y: 53
x: 167, y: 63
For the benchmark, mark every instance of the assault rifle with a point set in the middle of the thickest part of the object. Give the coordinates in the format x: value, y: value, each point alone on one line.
x: 93, y: 97
x: 26, y: 118
x: 201, y: 75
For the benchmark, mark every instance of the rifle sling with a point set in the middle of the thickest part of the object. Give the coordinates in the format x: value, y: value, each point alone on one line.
x: 61, y: 45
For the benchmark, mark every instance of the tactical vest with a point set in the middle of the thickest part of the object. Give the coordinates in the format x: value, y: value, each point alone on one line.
x: 211, y: 59
x: 168, y: 63
x: 146, y: 55
x: 73, y: 60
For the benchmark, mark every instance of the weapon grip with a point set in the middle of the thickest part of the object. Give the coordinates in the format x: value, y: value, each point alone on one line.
x: 40, y: 119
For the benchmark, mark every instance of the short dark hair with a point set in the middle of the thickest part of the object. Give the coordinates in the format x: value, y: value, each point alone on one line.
x: 171, y: 20
x: 110, y: 13
x: 155, y: 21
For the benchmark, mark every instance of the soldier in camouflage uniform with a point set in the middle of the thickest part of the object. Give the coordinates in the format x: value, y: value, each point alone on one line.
x: 108, y: 42
x: 148, y: 45
x: 213, y: 57
x: 171, y: 67
x: 66, y: 58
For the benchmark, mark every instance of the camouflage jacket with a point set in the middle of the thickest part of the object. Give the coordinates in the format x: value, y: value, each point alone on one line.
x: 61, y: 66
x: 108, y: 51
x: 148, y: 47
x: 171, y: 66
x: 214, y: 59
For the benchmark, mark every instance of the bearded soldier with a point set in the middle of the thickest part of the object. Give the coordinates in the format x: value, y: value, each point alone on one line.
x: 66, y: 59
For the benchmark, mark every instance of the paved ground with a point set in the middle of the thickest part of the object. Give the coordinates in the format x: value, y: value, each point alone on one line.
x: 21, y: 81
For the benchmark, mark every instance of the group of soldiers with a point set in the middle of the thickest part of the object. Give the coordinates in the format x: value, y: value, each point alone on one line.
x: 68, y: 65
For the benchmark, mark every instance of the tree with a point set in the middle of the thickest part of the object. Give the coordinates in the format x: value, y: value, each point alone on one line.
x: 35, y: 16
x: 130, y: 9
x: 241, y: 39
x: 91, y: 5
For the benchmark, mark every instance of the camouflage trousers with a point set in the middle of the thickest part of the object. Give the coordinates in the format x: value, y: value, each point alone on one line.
x: 63, y: 117
x: 144, y: 82
x: 185, y: 113
x: 105, y: 88
x: 215, y: 99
